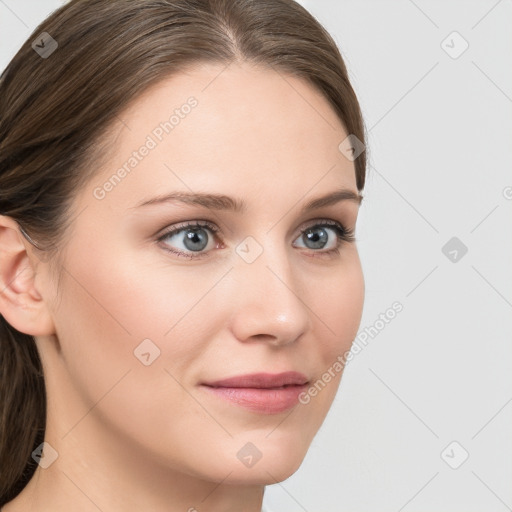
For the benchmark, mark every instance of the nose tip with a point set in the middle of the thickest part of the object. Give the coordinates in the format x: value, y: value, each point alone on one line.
x: 270, y: 310
x: 280, y: 333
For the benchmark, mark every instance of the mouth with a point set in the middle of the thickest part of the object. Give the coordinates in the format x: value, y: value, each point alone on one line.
x: 263, y: 393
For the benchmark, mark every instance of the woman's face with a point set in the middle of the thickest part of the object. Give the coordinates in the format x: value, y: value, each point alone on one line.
x: 146, y: 319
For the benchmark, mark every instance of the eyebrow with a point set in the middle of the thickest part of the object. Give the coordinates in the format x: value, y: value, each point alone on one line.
x: 223, y: 202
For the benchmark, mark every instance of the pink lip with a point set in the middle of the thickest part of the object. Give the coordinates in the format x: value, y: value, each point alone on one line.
x: 261, y: 392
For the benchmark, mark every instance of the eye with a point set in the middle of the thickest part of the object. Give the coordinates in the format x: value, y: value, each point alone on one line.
x: 328, y: 235
x: 195, y: 239
x: 189, y: 238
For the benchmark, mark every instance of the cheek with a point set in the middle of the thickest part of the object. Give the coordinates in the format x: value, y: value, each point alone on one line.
x: 106, y: 311
x: 338, y: 308
x: 137, y: 297
x: 111, y: 304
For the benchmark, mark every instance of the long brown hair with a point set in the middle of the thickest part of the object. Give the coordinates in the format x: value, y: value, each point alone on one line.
x: 56, y: 107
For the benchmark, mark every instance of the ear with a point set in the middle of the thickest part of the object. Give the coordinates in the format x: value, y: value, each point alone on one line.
x: 21, y: 303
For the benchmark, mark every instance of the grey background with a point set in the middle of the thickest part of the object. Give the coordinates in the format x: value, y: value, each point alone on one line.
x: 440, y: 151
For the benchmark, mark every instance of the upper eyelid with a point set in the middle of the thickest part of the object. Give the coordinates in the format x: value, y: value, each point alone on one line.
x: 179, y: 226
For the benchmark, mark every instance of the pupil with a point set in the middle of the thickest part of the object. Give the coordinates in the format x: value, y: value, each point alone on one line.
x: 317, y: 236
x: 196, y: 236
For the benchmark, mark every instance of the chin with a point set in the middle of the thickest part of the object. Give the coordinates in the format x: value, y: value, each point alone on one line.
x: 265, y: 461
x: 264, y: 473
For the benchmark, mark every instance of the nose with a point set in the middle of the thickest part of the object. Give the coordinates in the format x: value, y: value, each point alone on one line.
x: 269, y: 306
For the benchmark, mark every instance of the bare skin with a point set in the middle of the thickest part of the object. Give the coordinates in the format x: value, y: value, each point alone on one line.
x: 132, y: 436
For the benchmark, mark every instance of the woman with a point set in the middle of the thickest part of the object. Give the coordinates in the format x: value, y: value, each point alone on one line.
x: 180, y: 188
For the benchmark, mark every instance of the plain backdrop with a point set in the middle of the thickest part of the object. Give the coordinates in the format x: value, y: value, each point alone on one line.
x: 423, y: 417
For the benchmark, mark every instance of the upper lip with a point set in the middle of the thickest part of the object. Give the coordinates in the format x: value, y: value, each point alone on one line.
x: 261, y: 380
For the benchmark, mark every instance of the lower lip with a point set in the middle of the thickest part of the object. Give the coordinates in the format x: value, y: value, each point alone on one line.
x: 265, y: 401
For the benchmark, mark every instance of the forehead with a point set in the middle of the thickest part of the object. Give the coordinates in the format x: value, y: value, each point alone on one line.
x: 241, y: 126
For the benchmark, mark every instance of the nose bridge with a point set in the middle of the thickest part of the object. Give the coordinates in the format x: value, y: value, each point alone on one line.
x: 268, y: 301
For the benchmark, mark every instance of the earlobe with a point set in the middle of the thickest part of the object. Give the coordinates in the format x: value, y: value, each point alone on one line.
x: 21, y: 303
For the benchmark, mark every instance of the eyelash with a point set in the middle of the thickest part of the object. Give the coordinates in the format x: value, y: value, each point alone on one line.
x: 343, y: 235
